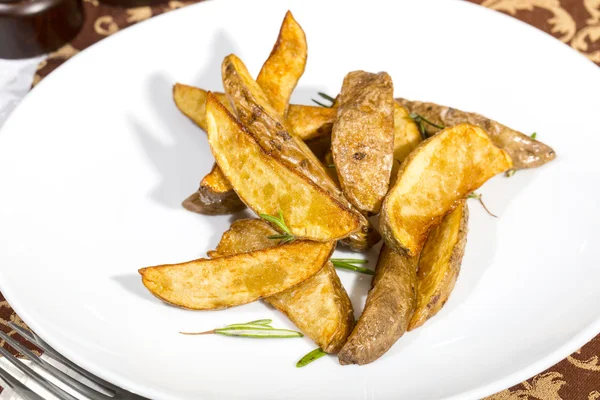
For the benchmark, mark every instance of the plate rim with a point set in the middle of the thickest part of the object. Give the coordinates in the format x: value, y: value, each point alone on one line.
x: 482, y: 390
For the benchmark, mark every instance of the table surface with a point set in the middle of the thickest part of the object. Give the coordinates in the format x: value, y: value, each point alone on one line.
x: 574, y: 22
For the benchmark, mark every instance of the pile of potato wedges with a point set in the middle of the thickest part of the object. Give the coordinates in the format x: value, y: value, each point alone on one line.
x: 324, y: 171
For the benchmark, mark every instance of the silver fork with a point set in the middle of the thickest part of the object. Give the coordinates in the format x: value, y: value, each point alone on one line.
x: 115, y: 393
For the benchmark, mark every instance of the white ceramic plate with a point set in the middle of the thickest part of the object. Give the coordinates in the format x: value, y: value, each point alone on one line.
x: 96, y: 160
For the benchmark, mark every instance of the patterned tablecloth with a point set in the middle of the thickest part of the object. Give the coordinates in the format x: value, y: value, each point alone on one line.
x: 575, y: 22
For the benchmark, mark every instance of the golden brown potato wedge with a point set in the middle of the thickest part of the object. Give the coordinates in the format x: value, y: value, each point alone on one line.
x: 439, y: 173
x: 319, y: 306
x: 268, y: 186
x: 281, y: 72
x: 239, y: 279
x: 215, y: 196
x: 406, y: 137
x: 362, y: 139
x: 390, y: 305
x: 267, y: 127
x: 304, y: 122
x: 309, y: 122
x: 191, y: 101
x: 439, y: 264
x: 524, y: 151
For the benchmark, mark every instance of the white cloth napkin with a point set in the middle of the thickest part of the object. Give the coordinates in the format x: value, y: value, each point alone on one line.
x: 15, y: 81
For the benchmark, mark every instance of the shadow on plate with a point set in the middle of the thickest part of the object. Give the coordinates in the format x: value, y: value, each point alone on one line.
x: 132, y: 283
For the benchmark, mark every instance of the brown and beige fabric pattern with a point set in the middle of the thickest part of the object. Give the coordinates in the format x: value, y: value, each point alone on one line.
x: 574, y: 22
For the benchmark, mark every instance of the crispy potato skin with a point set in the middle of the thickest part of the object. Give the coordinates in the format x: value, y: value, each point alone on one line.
x: 268, y: 186
x: 319, y: 306
x: 281, y: 72
x: 439, y: 264
x: 215, y: 196
x: 239, y: 279
x: 439, y: 173
x: 267, y: 127
x: 362, y: 139
x: 390, y: 305
x: 524, y: 151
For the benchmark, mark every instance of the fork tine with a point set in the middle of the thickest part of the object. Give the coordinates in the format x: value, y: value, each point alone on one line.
x: 17, y: 386
x: 35, y: 339
x: 52, y: 370
x: 58, y: 392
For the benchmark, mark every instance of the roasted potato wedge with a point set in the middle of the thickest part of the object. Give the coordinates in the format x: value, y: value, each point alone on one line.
x: 267, y: 128
x: 439, y: 173
x: 439, y: 264
x: 268, y: 186
x: 281, y: 72
x: 304, y: 122
x: 310, y: 122
x: 319, y: 306
x: 191, y: 101
x: 239, y: 279
x: 406, y: 137
x: 215, y: 196
x: 389, y: 307
x: 362, y: 139
x: 523, y: 150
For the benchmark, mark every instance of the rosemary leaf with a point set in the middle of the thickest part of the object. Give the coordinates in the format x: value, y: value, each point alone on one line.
x: 331, y: 166
x: 248, y: 326
x: 420, y: 119
x: 345, y: 265
x: 510, y: 172
x: 280, y: 222
x: 319, y: 103
x: 310, y: 357
x: 260, y: 333
x: 350, y: 260
x: 534, y: 135
x: 261, y: 322
x: 326, y: 96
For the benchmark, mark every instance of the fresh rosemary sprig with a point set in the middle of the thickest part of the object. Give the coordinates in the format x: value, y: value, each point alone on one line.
x: 287, y: 236
x: 348, y: 263
x: 534, y: 135
x: 479, y: 197
x: 310, y: 357
x: 421, y: 121
x: 510, y: 173
x: 326, y: 97
x: 260, y: 329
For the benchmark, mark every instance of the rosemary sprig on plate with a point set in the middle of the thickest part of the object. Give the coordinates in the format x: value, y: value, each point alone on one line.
x: 285, y: 237
x: 348, y: 263
x: 310, y: 357
x: 326, y: 97
x: 479, y: 197
x: 260, y: 329
x: 421, y: 121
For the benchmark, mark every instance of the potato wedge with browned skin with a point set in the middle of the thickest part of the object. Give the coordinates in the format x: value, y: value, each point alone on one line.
x: 319, y: 306
x: 309, y: 122
x: 304, y: 122
x: 439, y: 264
x: 268, y: 186
x: 389, y: 307
x: 268, y: 129
x: 439, y: 173
x: 362, y: 139
x: 406, y: 138
x: 281, y: 72
x: 215, y: 196
x: 525, y: 151
x: 239, y: 279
